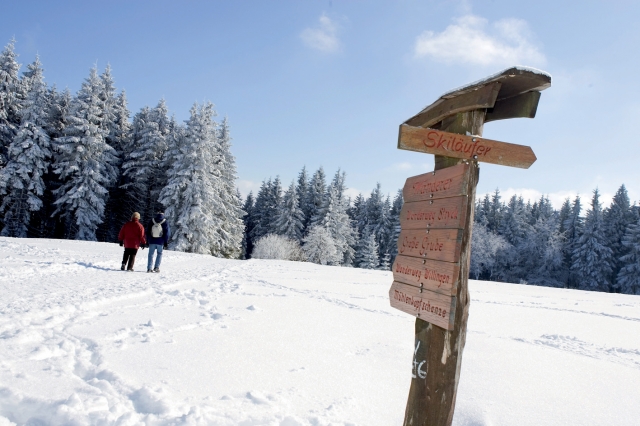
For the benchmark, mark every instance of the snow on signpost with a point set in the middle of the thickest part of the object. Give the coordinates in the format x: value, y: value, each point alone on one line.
x: 434, y: 246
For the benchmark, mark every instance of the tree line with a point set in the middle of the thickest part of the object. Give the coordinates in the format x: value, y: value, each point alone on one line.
x: 75, y: 166
x: 328, y: 226
x: 536, y: 244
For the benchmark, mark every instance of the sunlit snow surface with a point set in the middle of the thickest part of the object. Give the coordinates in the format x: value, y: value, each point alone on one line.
x: 227, y: 342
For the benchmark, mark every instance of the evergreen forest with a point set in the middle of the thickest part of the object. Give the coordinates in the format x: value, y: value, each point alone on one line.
x: 75, y: 166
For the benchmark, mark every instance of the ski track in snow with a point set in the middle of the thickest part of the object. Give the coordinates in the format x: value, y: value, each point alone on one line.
x: 35, y: 327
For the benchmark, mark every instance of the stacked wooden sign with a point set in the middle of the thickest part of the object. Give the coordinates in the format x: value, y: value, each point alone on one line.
x: 431, y: 269
x: 427, y: 267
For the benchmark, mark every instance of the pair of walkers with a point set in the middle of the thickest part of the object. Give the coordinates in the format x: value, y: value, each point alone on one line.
x: 133, y: 236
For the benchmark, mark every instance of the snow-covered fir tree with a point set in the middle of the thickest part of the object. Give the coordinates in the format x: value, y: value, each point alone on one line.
x: 232, y: 229
x: 616, y: 219
x: 394, y: 226
x: 193, y: 178
x: 10, y: 99
x: 247, y: 241
x: 628, y: 279
x: 288, y: 221
x: 337, y: 222
x: 302, y: 189
x: 592, y: 259
x: 319, y: 247
x: 29, y: 156
x: 367, y: 250
x: 315, y: 201
x: 144, y: 167
x: 85, y: 163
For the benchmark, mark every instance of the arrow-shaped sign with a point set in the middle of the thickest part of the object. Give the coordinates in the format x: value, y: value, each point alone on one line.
x: 437, y: 142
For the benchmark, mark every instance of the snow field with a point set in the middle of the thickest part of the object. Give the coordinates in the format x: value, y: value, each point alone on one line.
x: 263, y: 342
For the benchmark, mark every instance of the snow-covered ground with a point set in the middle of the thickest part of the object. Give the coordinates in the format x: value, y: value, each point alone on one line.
x: 227, y: 342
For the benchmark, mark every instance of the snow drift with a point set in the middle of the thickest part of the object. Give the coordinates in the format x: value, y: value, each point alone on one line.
x: 263, y: 342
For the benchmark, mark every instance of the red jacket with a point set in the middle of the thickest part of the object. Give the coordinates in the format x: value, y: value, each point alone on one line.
x: 132, y: 233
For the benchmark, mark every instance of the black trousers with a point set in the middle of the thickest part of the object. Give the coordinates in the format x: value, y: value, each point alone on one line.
x: 130, y: 257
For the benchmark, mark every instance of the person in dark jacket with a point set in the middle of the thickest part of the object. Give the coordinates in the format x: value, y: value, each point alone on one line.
x: 158, y: 237
x: 131, y: 236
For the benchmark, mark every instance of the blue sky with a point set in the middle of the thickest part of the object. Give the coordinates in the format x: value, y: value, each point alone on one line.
x: 328, y: 82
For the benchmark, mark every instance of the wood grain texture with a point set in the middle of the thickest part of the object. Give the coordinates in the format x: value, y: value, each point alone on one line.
x: 433, y: 275
x: 449, y: 182
x: 433, y: 307
x: 482, y: 97
x: 524, y: 105
x: 438, y: 213
x: 510, y: 83
x: 453, y: 145
x: 433, y: 391
x: 436, y: 244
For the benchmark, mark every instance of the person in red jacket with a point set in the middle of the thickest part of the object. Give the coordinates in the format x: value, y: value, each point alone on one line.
x: 131, y: 236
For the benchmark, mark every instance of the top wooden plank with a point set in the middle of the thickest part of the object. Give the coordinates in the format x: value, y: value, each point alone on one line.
x: 447, y: 182
x: 488, y: 93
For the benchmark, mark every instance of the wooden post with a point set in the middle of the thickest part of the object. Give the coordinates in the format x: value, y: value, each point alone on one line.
x: 438, y: 352
x: 431, y: 274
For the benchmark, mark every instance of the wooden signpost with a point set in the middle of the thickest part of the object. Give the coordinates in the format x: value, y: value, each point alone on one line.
x: 434, y: 247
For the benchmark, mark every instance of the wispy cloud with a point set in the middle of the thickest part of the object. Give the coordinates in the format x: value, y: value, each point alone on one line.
x: 324, y: 37
x: 472, y: 40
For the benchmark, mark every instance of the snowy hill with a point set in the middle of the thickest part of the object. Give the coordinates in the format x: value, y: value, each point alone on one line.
x: 227, y: 342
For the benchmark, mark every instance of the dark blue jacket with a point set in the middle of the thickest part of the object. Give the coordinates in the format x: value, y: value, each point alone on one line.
x: 165, y: 231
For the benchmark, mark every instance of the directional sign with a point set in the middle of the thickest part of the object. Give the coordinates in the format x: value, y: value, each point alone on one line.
x: 437, y: 213
x: 436, y: 244
x: 448, y: 182
x: 462, y: 146
x: 433, y: 307
x: 433, y: 275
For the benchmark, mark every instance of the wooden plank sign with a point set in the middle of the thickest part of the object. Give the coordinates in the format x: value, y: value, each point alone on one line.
x: 436, y: 244
x: 433, y: 275
x: 462, y: 146
x: 449, y: 182
x: 433, y: 307
x: 437, y: 213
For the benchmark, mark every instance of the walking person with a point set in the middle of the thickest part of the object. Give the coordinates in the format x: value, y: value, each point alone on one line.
x: 158, y: 232
x: 131, y: 236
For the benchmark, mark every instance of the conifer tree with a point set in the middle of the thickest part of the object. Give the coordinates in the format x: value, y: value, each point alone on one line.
x: 494, y: 214
x: 85, y: 163
x: 616, y: 219
x: 315, y: 200
x: 303, y: 190
x: 232, y: 229
x: 337, y: 222
x: 288, y: 221
x: 592, y: 259
x: 573, y: 226
x: 29, y: 156
x: 259, y: 217
x: 394, y: 226
x: 359, y: 213
x: 193, y: 178
x: 628, y: 279
x: 248, y: 219
x: 367, y: 251
x: 144, y: 167
x: 320, y: 248
x: 10, y: 99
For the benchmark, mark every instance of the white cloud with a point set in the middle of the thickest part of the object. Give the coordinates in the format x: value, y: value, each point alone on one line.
x: 468, y: 40
x: 324, y: 37
x: 246, y: 186
x: 352, y: 193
